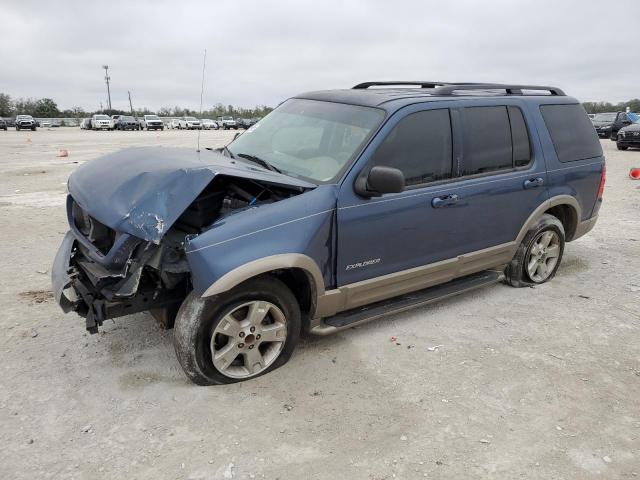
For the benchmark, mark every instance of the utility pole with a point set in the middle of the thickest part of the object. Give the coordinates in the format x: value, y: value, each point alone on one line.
x: 106, y: 79
x: 131, y: 105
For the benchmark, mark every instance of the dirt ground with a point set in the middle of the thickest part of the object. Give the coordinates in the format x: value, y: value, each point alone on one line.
x: 501, y: 383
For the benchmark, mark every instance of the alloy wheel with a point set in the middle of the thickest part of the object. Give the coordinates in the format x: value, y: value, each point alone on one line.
x: 248, y: 339
x: 543, y: 256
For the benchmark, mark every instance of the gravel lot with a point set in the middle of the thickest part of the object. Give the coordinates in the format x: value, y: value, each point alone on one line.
x: 500, y: 383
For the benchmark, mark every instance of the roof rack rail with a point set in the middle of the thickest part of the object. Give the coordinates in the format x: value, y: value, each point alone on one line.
x: 421, y: 84
x: 510, y: 89
x: 449, y: 88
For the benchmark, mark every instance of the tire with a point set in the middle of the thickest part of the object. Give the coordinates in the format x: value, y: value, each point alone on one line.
x: 17, y: 129
x: 198, y: 319
x: 33, y: 129
x: 517, y: 273
x: 621, y: 147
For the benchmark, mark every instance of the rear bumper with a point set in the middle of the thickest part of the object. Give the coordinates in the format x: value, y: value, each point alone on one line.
x: 585, y: 227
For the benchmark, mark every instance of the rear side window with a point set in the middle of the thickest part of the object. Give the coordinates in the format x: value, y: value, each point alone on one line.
x: 487, y: 140
x: 519, y: 138
x: 572, y: 133
x: 420, y: 146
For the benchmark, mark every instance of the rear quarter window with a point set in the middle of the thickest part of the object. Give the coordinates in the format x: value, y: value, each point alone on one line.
x: 572, y: 133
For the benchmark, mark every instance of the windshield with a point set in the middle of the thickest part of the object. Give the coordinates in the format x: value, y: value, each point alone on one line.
x: 604, y: 117
x: 128, y: 119
x: 23, y: 116
x: 191, y: 119
x: 102, y: 117
x: 226, y: 118
x: 309, y: 139
x: 151, y: 117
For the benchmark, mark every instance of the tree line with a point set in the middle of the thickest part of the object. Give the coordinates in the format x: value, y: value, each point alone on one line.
x: 601, y: 107
x: 48, y: 108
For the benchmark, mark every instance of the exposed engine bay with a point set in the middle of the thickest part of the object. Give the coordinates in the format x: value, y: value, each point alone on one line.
x: 112, y: 273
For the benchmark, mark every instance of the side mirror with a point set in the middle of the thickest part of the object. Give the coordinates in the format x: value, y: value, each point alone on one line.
x: 378, y: 181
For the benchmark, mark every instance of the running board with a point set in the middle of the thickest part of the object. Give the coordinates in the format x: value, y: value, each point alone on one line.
x: 360, y: 315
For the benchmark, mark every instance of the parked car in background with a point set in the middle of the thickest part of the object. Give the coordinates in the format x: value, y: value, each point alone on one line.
x: 45, y: 124
x: 25, y: 122
x: 629, y: 135
x: 3, y: 125
x: 114, y: 121
x: 101, y: 122
x: 174, y: 123
x: 622, y: 120
x: 126, y: 122
x: 318, y: 226
x: 243, y: 122
x: 151, y: 122
x: 603, y: 122
x: 227, y: 122
x: 85, y: 124
x: 208, y: 124
x: 11, y: 122
x: 189, y: 123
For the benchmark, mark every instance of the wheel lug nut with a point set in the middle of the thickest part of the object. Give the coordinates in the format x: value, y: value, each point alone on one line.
x: 253, y: 329
x: 240, y: 345
x: 250, y: 347
x: 258, y: 337
x: 241, y: 334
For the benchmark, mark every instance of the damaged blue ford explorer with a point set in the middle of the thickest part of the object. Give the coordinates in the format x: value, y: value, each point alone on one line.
x: 337, y: 208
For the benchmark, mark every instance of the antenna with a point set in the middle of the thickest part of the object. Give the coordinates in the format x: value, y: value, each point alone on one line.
x: 204, y: 64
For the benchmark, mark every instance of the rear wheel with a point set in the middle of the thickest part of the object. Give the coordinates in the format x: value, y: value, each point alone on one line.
x: 539, y: 255
x: 241, y: 334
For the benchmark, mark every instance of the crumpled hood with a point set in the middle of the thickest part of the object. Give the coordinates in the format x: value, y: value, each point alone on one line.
x: 143, y: 191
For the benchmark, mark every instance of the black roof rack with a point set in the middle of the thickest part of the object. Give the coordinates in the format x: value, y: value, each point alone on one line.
x: 449, y: 88
x: 421, y: 84
x: 510, y: 89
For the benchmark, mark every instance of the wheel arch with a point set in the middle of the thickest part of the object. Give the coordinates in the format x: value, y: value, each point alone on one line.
x: 299, y: 272
x: 564, y: 207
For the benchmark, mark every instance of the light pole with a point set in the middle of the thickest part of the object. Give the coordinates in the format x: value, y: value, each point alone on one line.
x: 106, y: 79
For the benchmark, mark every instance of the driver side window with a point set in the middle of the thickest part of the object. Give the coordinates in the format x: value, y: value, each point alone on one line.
x: 420, y: 146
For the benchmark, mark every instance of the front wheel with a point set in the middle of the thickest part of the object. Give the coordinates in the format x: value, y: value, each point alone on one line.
x: 621, y: 147
x: 539, y: 255
x: 241, y: 334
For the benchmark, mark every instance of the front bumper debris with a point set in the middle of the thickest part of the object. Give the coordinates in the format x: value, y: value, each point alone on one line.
x: 99, y: 286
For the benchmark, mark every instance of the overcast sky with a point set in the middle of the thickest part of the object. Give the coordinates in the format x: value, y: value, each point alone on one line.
x: 261, y: 52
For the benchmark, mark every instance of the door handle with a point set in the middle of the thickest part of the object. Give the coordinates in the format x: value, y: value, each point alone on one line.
x: 533, y: 183
x: 445, y: 201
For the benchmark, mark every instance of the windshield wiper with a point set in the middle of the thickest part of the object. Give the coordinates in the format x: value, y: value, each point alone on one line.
x: 260, y: 161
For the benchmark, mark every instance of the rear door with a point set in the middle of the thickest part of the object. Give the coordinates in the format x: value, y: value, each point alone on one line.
x: 502, y: 175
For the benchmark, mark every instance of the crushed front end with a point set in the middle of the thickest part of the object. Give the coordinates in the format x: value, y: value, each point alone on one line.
x: 100, y: 273
x: 125, y: 249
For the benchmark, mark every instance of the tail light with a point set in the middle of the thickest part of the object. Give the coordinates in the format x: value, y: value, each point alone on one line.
x: 603, y: 177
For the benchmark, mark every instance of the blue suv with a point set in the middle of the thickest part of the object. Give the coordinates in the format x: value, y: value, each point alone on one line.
x: 339, y: 207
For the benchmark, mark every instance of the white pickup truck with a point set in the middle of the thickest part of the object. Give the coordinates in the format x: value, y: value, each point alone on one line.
x: 151, y: 122
x: 227, y: 123
x: 101, y: 122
